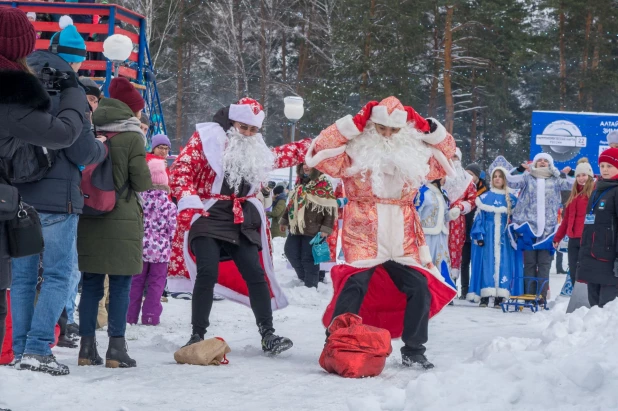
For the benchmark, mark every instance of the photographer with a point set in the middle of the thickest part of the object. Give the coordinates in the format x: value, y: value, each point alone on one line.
x: 23, y: 114
x: 58, y: 198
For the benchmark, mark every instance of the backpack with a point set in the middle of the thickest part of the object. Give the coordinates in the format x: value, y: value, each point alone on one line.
x: 100, y: 195
x: 29, y: 164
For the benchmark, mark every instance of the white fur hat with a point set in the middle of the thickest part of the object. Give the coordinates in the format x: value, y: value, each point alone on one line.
x: 584, y: 168
x: 544, y: 156
x: 247, y: 111
x: 390, y: 113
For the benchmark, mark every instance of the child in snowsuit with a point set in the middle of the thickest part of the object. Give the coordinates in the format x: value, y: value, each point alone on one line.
x: 159, y: 226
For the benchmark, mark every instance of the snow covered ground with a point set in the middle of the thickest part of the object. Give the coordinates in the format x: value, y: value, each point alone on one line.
x: 485, y: 359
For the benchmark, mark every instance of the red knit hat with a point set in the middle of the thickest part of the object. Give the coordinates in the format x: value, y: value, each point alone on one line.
x: 121, y: 89
x: 17, y: 37
x: 609, y: 156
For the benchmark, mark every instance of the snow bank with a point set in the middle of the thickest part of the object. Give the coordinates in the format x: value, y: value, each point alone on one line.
x: 573, y: 366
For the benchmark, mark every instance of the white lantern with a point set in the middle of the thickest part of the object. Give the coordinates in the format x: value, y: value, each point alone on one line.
x: 293, y: 109
x: 117, y: 47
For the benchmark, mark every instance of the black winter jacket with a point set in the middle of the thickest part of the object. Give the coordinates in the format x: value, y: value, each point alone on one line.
x: 599, y: 245
x: 24, y: 118
x: 60, y: 190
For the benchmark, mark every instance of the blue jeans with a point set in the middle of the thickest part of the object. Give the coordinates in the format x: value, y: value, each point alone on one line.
x: 33, y: 326
x: 92, y: 292
x: 73, y: 287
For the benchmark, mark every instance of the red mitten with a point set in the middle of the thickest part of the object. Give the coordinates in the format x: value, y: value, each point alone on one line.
x: 185, y: 216
x: 419, y: 122
x: 363, y: 116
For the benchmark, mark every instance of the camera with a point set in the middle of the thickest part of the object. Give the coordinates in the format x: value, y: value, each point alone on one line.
x: 50, y: 77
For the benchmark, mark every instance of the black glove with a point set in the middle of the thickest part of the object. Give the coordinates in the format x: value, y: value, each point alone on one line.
x: 616, y: 267
x: 69, y: 80
x: 480, y: 243
x: 432, y: 126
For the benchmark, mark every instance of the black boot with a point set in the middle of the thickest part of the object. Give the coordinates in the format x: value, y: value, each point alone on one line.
x: 65, y: 342
x: 484, y: 302
x: 195, y: 338
x: 117, y: 356
x: 322, y: 277
x: 273, y: 344
x: 416, y: 360
x: 498, y: 301
x: 88, y: 354
x: 43, y: 363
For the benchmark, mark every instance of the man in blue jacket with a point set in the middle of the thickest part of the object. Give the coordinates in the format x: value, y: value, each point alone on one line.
x: 59, y: 200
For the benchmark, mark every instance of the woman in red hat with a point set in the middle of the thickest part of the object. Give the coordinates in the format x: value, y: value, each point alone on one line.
x: 598, y: 256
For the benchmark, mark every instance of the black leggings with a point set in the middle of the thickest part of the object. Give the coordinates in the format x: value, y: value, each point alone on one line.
x: 574, y: 246
x: 207, y: 251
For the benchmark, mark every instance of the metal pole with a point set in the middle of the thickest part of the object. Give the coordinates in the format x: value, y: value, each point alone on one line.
x: 293, y: 131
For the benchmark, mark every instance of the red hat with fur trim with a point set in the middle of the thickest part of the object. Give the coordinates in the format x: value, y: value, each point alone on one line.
x: 247, y: 111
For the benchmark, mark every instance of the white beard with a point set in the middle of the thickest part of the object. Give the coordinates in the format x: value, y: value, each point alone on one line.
x: 456, y: 186
x: 246, y: 158
x: 402, y: 158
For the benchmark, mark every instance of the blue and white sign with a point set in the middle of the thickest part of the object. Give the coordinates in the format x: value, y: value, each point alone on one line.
x: 569, y: 136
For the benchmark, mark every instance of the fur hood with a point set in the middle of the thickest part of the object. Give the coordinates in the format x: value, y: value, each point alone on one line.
x: 19, y: 87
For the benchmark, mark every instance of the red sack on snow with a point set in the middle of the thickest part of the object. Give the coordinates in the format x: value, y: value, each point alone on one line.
x: 6, y: 348
x: 354, y: 350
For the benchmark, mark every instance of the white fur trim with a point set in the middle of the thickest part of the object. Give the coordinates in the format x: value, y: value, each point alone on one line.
x: 243, y: 113
x: 490, y: 209
x: 347, y: 127
x: 473, y: 297
x: 425, y: 255
x: 497, y: 191
x: 446, y: 164
x: 495, y: 292
x: 540, y: 207
x: 437, y: 136
x: 455, y: 273
x: 65, y: 21
x: 396, y: 119
x: 544, y: 156
x: 312, y: 160
x: 189, y: 202
x: 497, y: 249
x: 466, y: 207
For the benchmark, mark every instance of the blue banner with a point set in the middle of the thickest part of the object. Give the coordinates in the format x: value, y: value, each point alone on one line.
x: 569, y: 136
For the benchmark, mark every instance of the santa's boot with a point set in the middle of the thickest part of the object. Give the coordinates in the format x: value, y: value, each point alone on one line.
x: 416, y: 360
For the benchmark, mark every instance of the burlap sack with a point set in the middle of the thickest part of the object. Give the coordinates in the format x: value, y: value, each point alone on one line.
x: 207, y: 352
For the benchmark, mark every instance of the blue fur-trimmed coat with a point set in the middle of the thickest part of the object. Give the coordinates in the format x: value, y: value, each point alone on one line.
x: 496, y: 265
x: 535, y: 218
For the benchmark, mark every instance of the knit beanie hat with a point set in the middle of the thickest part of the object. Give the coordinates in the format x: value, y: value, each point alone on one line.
x: 68, y: 43
x: 92, y: 88
x: 584, y: 168
x: 158, y: 172
x: 278, y: 190
x: 121, y: 89
x: 17, y: 37
x: 145, y: 120
x: 475, y: 169
x: 160, y: 140
x: 609, y: 156
x: 612, y: 138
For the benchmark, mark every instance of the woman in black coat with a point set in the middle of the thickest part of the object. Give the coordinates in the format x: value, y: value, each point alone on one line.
x: 598, y: 255
x: 24, y: 105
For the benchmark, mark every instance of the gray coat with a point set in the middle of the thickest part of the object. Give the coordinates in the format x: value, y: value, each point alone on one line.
x: 24, y: 116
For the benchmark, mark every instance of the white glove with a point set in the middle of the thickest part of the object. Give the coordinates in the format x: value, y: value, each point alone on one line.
x: 454, y: 213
